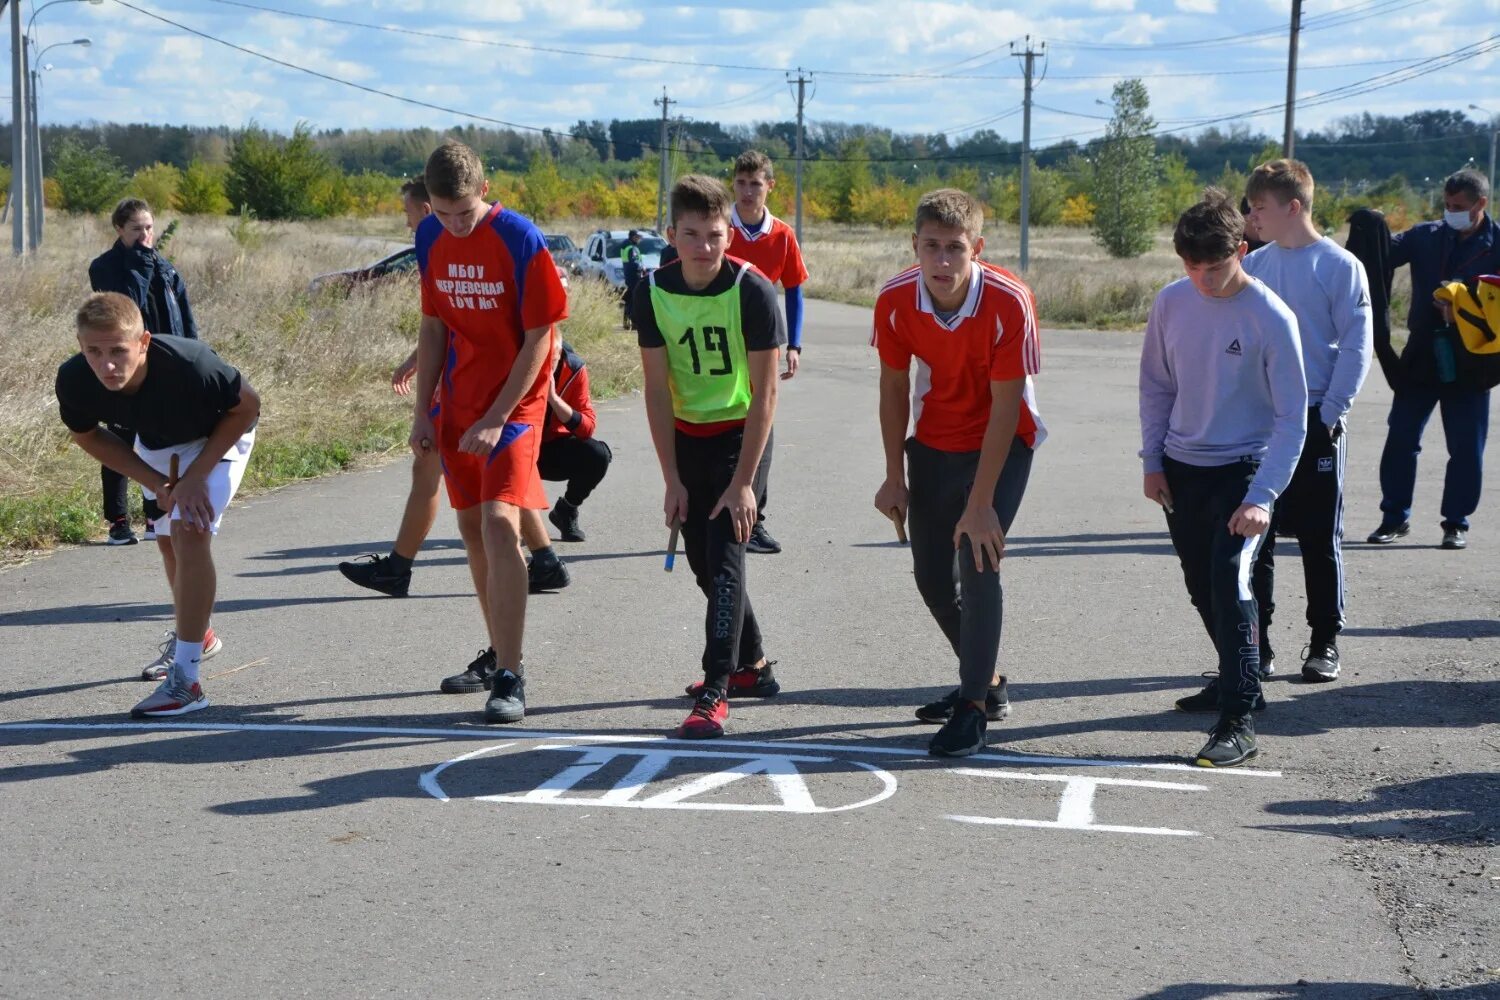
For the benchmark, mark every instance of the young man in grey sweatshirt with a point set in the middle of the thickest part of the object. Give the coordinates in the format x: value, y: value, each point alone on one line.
x: 1223, y: 415
x: 1325, y: 287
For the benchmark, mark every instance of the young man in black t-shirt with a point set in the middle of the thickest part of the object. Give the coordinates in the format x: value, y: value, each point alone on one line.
x: 184, y: 403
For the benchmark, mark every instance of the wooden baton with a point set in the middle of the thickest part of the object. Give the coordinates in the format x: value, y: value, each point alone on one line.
x: 895, y: 515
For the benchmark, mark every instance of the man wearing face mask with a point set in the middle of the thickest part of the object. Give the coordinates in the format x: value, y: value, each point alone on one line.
x: 1463, y: 246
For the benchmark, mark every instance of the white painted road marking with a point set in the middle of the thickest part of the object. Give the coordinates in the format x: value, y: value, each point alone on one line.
x: 1075, y: 807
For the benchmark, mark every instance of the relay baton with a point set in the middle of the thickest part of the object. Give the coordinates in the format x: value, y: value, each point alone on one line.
x: 895, y: 515
x: 672, y: 545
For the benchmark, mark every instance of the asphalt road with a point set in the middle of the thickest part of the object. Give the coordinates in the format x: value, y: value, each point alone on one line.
x: 335, y: 827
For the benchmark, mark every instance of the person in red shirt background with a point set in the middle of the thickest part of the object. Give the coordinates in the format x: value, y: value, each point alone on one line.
x: 570, y: 452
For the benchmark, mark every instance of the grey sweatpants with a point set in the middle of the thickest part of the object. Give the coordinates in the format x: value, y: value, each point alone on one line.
x: 968, y: 604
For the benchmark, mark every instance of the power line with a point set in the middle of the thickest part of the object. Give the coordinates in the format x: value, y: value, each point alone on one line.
x: 1233, y: 72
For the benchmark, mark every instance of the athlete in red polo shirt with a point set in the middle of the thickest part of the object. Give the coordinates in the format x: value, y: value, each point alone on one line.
x: 971, y: 328
x: 762, y: 239
x: 490, y: 297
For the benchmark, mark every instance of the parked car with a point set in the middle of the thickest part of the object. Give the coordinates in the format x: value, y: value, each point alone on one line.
x: 403, y: 261
x: 565, y: 252
x: 601, y: 254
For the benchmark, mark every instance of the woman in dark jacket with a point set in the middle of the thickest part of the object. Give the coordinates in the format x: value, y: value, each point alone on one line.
x: 133, y: 268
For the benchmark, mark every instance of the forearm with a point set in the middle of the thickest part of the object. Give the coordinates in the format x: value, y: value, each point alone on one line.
x: 757, y: 433
x: 523, y: 374
x: 431, y: 342
x: 1349, y: 370
x: 895, y: 415
x: 230, y: 428
x: 1005, y: 414
x: 109, y: 451
x: 560, y: 409
x: 663, y: 430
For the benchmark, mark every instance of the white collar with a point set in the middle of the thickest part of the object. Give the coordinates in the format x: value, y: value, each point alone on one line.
x: 971, y: 302
x: 747, y: 232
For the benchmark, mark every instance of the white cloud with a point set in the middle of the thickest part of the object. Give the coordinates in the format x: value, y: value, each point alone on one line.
x: 1198, y: 6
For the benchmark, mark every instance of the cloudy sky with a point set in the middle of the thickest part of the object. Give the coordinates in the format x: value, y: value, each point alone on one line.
x: 912, y: 66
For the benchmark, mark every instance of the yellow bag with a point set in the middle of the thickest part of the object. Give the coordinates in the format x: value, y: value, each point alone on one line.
x: 1476, y: 312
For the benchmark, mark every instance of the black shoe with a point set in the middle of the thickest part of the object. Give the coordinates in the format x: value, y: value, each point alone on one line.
x: 375, y: 573
x: 120, y: 533
x: 761, y: 541
x: 479, y: 675
x: 1388, y: 533
x: 565, y: 516
x: 996, y: 705
x: 508, y: 699
x: 961, y: 735
x: 1320, y: 663
x: 1231, y: 742
x: 1268, y: 666
x: 1453, y: 538
x: 1207, y: 700
x: 552, y: 576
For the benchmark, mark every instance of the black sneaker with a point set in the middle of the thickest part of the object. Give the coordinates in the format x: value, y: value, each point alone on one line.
x: 120, y: 533
x: 1453, y: 538
x: 565, y: 516
x: 478, y: 676
x: 1320, y: 663
x: 1268, y: 666
x: 996, y: 705
x: 375, y: 573
x: 552, y: 576
x: 961, y: 735
x: 1207, y: 700
x: 508, y: 699
x: 1231, y: 742
x: 761, y: 541
x: 1388, y: 533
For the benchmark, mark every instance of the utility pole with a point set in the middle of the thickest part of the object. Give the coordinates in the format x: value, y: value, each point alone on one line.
x: 34, y: 163
x: 18, y: 187
x: 1289, y: 140
x: 1028, y: 61
x: 802, y: 82
x: 661, y: 181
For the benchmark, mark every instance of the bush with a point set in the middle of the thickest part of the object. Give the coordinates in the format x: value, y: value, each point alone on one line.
x: 157, y: 184
x: 201, y: 190
x: 280, y: 179
x: 89, y: 180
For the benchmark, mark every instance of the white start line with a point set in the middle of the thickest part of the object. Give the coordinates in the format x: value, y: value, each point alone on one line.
x: 778, y: 772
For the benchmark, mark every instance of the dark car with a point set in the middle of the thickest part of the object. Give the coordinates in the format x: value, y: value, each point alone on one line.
x: 403, y: 261
x: 565, y: 252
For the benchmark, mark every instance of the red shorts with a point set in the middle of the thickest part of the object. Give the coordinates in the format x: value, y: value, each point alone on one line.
x: 508, y: 474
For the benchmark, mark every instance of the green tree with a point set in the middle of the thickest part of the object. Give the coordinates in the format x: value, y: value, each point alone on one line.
x: 276, y: 178
x: 1179, y: 188
x: 201, y: 190
x: 89, y: 179
x: 544, y: 193
x: 1125, y: 175
x: 157, y: 184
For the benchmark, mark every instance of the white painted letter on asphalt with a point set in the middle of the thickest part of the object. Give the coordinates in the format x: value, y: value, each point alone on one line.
x: 1075, y: 807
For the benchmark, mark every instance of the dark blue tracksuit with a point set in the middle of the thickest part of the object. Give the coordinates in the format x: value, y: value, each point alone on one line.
x: 1436, y: 255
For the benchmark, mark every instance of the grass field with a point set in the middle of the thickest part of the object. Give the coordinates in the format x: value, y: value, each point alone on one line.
x: 322, y: 362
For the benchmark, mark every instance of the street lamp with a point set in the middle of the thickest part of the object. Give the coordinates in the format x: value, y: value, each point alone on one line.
x: 1494, y: 134
x: 34, y: 137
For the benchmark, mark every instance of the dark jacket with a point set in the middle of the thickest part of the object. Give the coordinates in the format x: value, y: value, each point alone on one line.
x: 572, y: 381
x: 150, y: 281
x: 1370, y: 242
x: 1437, y: 256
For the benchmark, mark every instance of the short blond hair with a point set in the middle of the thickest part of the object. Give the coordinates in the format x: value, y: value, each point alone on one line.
x: 108, y: 312
x: 952, y: 209
x: 1283, y: 180
x: 454, y: 171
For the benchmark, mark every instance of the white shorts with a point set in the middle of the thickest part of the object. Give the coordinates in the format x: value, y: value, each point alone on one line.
x: 223, y: 481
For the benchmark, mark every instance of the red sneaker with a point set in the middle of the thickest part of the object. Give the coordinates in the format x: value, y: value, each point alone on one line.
x: 746, y: 682
x: 706, y: 720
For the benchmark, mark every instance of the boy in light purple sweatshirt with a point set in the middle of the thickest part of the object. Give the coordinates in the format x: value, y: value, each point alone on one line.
x: 1223, y: 416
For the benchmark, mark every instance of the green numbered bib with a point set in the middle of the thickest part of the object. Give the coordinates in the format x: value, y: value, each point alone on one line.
x: 710, y: 372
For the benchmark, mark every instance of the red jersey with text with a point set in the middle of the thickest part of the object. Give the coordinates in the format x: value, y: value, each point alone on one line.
x: 488, y: 288
x: 770, y: 246
x: 992, y: 337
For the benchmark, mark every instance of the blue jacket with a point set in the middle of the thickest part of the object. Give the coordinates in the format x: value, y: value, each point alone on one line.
x: 150, y: 281
x: 1436, y: 255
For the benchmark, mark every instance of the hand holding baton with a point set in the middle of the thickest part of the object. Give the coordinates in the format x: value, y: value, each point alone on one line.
x: 672, y: 545
x: 1161, y: 498
x: 172, y: 470
x: 895, y: 515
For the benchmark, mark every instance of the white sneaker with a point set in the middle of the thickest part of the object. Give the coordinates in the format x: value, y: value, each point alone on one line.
x: 156, y: 670
x: 175, y: 696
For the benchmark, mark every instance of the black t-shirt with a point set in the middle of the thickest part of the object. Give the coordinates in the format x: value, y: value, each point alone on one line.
x: 761, y: 322
x: 187, y: 390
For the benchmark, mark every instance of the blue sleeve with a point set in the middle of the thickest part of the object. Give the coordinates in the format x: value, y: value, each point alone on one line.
x: 794, y: 318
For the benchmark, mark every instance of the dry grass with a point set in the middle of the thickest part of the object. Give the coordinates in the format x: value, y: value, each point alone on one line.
x: 320, y: 362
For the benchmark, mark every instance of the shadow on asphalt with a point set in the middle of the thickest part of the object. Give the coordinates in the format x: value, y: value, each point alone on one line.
x: 1466, y: 808
x: 424, y: 562
x: 347, y: 550
x: 1463, y: 628
x: 1312, y: 990
x: 1153, y: 543
x: 102, y: 614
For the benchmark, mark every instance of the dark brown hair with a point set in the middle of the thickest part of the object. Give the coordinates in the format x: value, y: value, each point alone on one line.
x: 416, y: 189
x: 754, y: 161
x: 127, y: 209
x: 1209, y: 231
x: 952, y: 209
x: 700, y: 195
x: 454, y: 171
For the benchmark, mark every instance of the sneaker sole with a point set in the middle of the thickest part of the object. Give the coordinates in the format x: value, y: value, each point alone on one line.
x: 1447, y: 546
x: 389, y: 591
x: 448, y: 687
x: 123, y: 541
x: 1318, y: 677
x: 504, y: 716
x: 163, y: 713
x: 1236, y: 762
x: 699, y: 733
x: 1386, y: 540
x: 960, y: 752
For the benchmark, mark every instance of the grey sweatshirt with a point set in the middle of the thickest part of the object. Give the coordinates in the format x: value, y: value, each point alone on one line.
x: 1221, y: 380
x: 1326, y: 288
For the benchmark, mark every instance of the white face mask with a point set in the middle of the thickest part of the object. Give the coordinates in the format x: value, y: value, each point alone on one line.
x: 1458, y: 220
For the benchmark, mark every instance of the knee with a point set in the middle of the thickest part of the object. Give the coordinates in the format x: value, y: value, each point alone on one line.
x: 500, y: 525
x: 597, y: 456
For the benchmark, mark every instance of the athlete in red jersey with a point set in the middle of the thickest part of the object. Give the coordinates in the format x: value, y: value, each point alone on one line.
x: 490, y: 297
x: 971, y: 328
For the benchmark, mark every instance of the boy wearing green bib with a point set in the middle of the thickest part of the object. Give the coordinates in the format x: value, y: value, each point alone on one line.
x: 710, y: 332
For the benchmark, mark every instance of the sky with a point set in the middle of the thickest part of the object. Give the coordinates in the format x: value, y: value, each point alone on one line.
x: 949, y: 64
